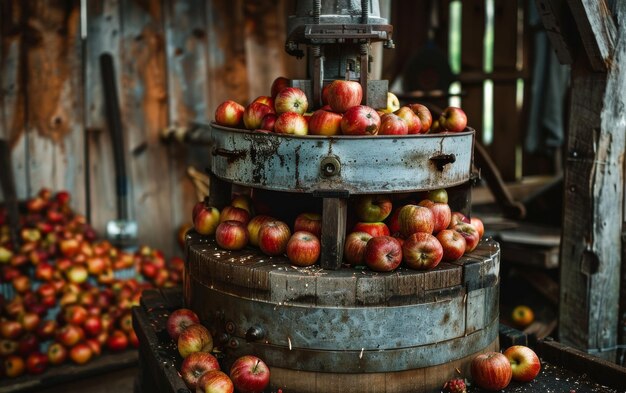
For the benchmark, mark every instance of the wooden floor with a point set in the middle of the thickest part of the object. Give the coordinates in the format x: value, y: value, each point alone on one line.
x: 116, y: 381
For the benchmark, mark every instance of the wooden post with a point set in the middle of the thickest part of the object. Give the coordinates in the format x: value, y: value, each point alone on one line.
x: 591, y: 250
x: 333, y: 231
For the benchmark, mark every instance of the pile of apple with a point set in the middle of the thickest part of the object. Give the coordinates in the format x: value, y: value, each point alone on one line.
x: 420, y: 231
x: 201, y: 371
x: 285, y: 112
x: 64, y: 298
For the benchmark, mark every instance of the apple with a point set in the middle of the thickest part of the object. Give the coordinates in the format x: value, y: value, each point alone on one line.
x: 392, y: 124
x: 491, y: 371
x: 13, y: 366
x: 441, y: 214
x: 46, y: 329
x: 291, y: 99
x: 77, y: 274
x: 422, y: 251
x: 27, y: 344
x: 360, y: 120
x: 393, y: 103
x: 303, y: 249
x: 195, y: 365
x: 253, y: 114
x: 415, y: 218
x: 95, y: 346
x: 194, y: 338
x: 383, y: 253
x: 426, y: 118
x: 57, y: 354
x: 453, y: 119
x: 75, y: 314
x: 273, y: 237
x: 133, y: 339
x: 343, y: 95
x: 69, y: 247
x: 92, y: 326
x: 354, y: 248
x: 29, y: 321
x: 279, y: 84
x: 457, y: 218
x: 291, y: 123
x: 5, y: 254
x: 478, y: 224
x: 11, y: 330
x: 8, y: 347
x: 250, y: 374
x: 96, y: 265
x: 268, y: 122
x: 233, y: 213
x: 309, y: 222
x: 81, y: 353
x: 372, y: 208
x: 525, y: 364
x: 324, y: 122
x: 36, y: 363
x: 392, y: 222
x: 439, y: 195
x: 179, y: 320
x: 255, y: 225
x: 414, y: 125
x: 231, y: 235
x: 205, y: 218
x: 229, y: 113
x: 470, y: 234
x: 21, y: 284
x: 267, y: 100
x: 453, y: 244
x: 69, y: 335
x: 214, y: 381
x: 117, y: 341
x: 522, y: 316
x: 372, y: 228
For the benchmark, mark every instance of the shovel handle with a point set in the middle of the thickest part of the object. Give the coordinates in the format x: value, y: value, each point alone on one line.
x: 114, y: 122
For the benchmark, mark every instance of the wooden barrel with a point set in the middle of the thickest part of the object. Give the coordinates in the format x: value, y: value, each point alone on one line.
x: 351, y: 330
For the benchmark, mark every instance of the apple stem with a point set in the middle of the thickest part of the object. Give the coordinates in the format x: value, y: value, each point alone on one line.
x: 255, y: 366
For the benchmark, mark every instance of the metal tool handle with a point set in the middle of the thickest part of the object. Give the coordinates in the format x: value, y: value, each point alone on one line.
x: 441, y: 160
x: 114, y: 122
x: 8, y: 189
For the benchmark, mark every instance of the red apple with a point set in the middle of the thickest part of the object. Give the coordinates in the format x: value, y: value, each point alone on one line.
x: 422, y: 251
x: 372, y: 228
x: 179, y: 320
x: 441, y: 214
x: 13, y: 366
x: 309, y: 222
x: 325, y: 123
x: 470, y: 234
x: 96, y: 265
x: 133, y: 339
x: 453, y: 244
x: 57, y: 354
x: 46, y: 329
x: 360, y: 120
x: 273, y: 237
x: 27, y: 344
x: 279, y: 84
x: 491, y: 371
x: 268, y: 122
x: 81, y: 353
x: 195, y: 365
x: 75, y: 315
x: 291, y: 123
x: 36, y: 363
x: 478, y: 224
x: 117, y: 341
x: 8, y: 347
x: 29, y: 321
x: 235, y: 214
x: 383, y: 253
x: 372, y: 208
x: 254, y: 113
x: 343, y: 95
x: 250, y: 374
x: 291, y: 99
x: 414, y: 125
x: 69, y: 247
x: 194, y: 338
x: 267, y: 100
x: 95, y: 346
x: 392, y: 124
x: 426, y: 118
x: 229, y: 113
x: 522, y: 316
x: 214, y: 381
x: 457, y: 218
x: 393, y: 224
x: 453, y: 119
x: 21, y: 284
x: 77, y: 274
x: 255, y: 225
x: 92, y: 326
x: 11, y: 329
x: 231, y: 235
x: 414, y: 218
x: 525, y: 364
x: 439, y: 195
x: 69, y: 335
x: 205, y: 218
x: 354, y: 248
x: 303, y: 249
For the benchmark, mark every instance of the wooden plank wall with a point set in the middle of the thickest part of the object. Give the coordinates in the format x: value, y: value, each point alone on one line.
x: 175, y: 60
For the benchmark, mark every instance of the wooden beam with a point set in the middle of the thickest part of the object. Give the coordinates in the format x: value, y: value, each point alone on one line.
x: 597, y: 29
x: 551, y: 12
x: 591, y: 249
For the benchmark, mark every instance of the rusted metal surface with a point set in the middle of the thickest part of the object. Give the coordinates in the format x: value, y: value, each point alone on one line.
x: 378, y: 164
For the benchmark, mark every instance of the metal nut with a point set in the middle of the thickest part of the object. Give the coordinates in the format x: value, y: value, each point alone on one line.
x: 233, y: 343
x: 230, y: 327
x: 330, y: 166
